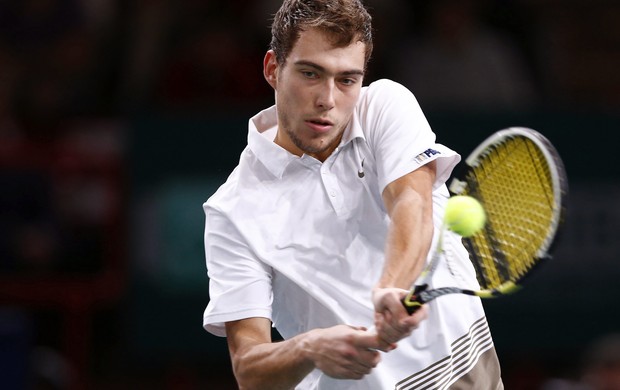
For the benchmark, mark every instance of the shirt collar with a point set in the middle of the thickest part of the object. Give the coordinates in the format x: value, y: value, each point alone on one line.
x: 353, y: 130
x: 261, y: 133
x: 260, y: 140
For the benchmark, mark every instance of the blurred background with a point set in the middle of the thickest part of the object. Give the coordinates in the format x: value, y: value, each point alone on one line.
x: 118, y: 119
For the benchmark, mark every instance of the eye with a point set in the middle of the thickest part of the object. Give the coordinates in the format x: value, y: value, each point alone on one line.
x: 309, y: 74
x: 349, y: 81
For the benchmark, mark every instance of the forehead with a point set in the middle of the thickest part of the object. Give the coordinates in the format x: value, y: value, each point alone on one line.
x: 315, y: 46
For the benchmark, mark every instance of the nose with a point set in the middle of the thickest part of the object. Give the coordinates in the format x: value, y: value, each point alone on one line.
x: 325, y: 98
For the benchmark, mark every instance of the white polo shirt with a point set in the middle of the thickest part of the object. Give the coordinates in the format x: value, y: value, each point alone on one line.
x: 301, y: 242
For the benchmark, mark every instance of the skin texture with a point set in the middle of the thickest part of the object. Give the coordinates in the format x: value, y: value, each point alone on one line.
x: 319, y: 83
x: 316, y: 92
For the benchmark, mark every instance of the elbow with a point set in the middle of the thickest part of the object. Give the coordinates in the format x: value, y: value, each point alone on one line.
x: 244, y: 383
x: 245, y: 386
x: 246, y: 380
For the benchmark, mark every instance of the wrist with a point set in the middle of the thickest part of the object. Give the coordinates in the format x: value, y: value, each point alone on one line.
x: 387, y: 280
x: 305, y: 343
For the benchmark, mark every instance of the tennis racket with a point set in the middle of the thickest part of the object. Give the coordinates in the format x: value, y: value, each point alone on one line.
x: 519, y: 178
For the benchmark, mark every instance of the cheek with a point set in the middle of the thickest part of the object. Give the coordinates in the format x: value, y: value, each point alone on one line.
x: 348, y: 103
x: 293, y: 99
x: 351, y: 103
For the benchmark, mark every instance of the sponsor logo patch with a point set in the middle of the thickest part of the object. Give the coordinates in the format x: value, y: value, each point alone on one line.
x: 425, y: 155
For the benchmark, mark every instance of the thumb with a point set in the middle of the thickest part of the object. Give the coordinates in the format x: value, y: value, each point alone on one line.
x: 369, y: 340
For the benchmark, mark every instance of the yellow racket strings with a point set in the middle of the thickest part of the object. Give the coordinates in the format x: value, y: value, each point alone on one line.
x: 515, y: 186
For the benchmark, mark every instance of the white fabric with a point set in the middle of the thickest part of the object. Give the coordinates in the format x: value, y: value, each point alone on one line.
x: 301, y: 242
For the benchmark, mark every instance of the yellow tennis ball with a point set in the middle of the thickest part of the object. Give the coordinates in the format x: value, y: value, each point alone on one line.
x: 464, y: 215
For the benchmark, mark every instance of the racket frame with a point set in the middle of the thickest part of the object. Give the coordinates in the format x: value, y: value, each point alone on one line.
x: 556, y: 170
x: 420, y: 293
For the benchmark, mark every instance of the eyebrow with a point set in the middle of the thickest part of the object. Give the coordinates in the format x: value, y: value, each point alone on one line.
x: 350, y: 72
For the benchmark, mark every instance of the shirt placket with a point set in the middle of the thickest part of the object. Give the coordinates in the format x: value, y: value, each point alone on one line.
x: 332, y: 186
x: 330, y: 181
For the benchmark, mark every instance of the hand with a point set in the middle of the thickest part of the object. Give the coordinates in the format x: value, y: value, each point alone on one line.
x: 392, y: 321
x: 344, y: 352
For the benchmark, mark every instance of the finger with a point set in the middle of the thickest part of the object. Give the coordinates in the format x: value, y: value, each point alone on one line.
x: 397, y: 329
x: 414, y: 320
x: 357, y: 367
x: 369, y: 358
x: 365, y: 362
x: 366, y: 340
x: 383, y: 344
x: 379, y: 318
x: 386, y: 346
x: 391, y: 336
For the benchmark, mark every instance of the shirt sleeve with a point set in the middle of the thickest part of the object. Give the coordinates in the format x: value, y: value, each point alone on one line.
x: 399, y: 135
x: 239, y: 284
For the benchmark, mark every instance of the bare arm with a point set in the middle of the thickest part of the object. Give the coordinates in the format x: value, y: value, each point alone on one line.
x: 341, y: 352
x: 410, y: 207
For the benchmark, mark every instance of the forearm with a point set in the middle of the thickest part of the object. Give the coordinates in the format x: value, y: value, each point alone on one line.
x: 280, y: 365
x: 342, y: 351
x: 408, y: 240
x: 409, y: 202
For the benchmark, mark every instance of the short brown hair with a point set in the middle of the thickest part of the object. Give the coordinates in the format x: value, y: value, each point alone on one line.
x: 343, y: 20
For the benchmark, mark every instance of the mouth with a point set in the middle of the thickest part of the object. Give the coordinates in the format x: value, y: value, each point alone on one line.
x: 319, y: 125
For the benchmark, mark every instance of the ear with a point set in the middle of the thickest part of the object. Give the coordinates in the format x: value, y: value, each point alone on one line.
x: 270, y: 69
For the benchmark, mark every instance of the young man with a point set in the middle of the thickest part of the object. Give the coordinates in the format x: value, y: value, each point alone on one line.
x: 328, y: 220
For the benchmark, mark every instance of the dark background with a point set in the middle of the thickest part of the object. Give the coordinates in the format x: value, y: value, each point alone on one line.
x: 118, y: 119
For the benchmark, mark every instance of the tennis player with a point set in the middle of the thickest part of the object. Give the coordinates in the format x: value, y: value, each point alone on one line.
x: 329, y: 218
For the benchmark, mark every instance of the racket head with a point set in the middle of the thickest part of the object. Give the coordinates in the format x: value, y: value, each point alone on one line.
x: 520, y: 180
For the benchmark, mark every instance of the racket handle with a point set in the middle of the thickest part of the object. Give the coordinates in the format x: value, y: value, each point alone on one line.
x: 421, y: 295
x: 414, y: 301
